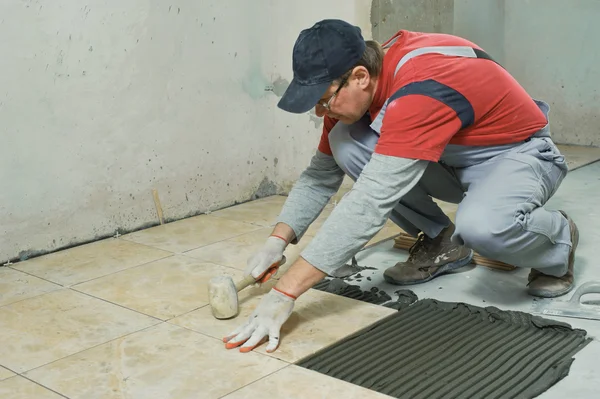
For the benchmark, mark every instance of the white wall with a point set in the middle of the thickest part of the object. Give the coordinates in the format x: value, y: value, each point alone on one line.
x: 103, y: 101
x: 552, y: 47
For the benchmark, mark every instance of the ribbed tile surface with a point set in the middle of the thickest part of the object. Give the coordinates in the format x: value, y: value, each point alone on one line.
x: 444, y: 350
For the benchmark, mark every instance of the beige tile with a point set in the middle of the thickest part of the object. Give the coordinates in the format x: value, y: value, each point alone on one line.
x: 86, y: 262
x: 164, y: 361
x: 262, y: 212
x: 163, y: 289
x: 318, y: 320
x: 5, y: 373
x: 236, y: 251
x: 21, y: 388
x: 295, y: 382
x: 578, y: 156
x: 16, y: 286
x: 48, y: 327
x: 187, y: 234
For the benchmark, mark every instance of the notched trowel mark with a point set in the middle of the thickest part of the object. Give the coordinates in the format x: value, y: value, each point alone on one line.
x: 349, y: 270
x: 340, y: 287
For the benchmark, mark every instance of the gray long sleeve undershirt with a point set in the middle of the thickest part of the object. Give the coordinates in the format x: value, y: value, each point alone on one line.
x: 312, y: 191
x: 360, y: 214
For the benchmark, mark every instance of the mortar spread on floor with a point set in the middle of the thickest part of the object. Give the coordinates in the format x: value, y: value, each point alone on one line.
x: 433, y: 349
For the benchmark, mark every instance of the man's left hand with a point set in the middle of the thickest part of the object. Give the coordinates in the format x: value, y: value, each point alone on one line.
x: 268, y: 317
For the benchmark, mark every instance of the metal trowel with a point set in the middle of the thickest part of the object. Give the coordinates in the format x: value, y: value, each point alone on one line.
x: 573, y: 307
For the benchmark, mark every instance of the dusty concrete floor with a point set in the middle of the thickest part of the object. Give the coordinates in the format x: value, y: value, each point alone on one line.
x: 578, y: 195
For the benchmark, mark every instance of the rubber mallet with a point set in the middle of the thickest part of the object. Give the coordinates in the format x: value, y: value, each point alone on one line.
x: 223, y: 292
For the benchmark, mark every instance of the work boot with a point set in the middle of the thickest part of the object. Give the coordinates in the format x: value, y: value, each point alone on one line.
x: 545, y: 286
x: 429, y: 258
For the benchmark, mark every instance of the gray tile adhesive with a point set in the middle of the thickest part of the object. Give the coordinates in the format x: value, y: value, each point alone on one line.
x: 434, y: 349
x: 375, y: 295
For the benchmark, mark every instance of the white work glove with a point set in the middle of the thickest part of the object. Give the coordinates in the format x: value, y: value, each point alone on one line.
x: 268, y: 317
x: 268, y: 256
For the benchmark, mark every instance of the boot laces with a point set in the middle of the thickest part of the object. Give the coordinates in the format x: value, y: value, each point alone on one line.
x: 420, y: 246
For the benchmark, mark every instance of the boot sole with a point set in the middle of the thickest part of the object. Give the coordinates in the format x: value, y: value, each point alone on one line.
x: 574, y: 243
x: 448, y: 267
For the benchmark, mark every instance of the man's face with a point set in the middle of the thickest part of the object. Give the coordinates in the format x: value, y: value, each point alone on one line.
x: 348, y: 101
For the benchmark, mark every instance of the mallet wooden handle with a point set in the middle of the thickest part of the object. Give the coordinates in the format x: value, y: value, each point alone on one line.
x: 248, y: 280
x: 243, y: 283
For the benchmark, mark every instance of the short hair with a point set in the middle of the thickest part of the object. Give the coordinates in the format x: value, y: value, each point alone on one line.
x: 372, y: 60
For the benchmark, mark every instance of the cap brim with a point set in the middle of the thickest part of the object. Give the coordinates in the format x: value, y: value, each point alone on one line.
x: 299, y: 99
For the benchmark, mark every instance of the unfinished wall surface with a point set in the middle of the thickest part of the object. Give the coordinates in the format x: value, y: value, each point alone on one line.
x: 389, y: 16
x: 99, y: 105
x: 551, y: 47
x: 482, y: 22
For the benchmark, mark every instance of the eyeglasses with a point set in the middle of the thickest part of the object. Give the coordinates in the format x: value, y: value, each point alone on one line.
x: 327, y: 105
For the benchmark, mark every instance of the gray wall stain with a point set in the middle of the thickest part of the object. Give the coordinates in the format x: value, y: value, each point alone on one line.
x: 266, y: 188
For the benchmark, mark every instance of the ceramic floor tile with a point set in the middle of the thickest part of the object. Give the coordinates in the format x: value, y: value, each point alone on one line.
x: 48, y: 327
x: 163, y: 289
x: 5, y: 373
x: 318, y: 320
x: 295, y: 382
x: 578, y: 156
x: 21, y: 388
x: 262, y: 212
x: 16, y: 286
x: 236, y: 251
x: 187, y: 234
x: 86, y: 262
x: 163, y: 361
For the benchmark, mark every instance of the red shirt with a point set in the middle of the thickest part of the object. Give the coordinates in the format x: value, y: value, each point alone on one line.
x: 437, y: 99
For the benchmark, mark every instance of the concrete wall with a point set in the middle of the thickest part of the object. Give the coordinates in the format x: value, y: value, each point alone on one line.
x: 552, y: 48
x: 481, y: 21
x: 100, y: 103
x: 389, y: 16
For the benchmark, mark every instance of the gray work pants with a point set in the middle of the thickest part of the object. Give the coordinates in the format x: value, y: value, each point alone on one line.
x: 500, y: 190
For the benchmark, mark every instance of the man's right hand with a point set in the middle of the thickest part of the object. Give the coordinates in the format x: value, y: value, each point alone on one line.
x: 271, y: 253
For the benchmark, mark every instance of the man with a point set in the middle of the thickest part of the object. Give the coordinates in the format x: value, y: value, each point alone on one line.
x: 425, y: 115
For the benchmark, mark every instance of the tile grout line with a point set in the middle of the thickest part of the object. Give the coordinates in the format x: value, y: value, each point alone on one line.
x: 35, y: 296
x: 219, y: 340
x: 42, y: 385
x: 185, y: 313
x: 257, y: 380
x: 116, y: 304
x: 217, y: 242
x: 201, y: 246
x: 119, y: 271
x: 83, y: 350
x: 95, y: 278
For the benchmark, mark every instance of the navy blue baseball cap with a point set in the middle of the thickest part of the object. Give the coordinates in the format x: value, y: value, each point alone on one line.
x: 321, y: 54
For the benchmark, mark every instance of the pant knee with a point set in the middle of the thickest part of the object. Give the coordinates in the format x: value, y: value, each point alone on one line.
x: 352, y: 146
x: 482, y: 231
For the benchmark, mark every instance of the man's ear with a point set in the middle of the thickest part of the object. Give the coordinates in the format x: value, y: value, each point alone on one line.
x: 362, y: 76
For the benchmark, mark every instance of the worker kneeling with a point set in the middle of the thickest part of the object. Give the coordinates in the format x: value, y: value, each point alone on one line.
x: 423, y: 116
